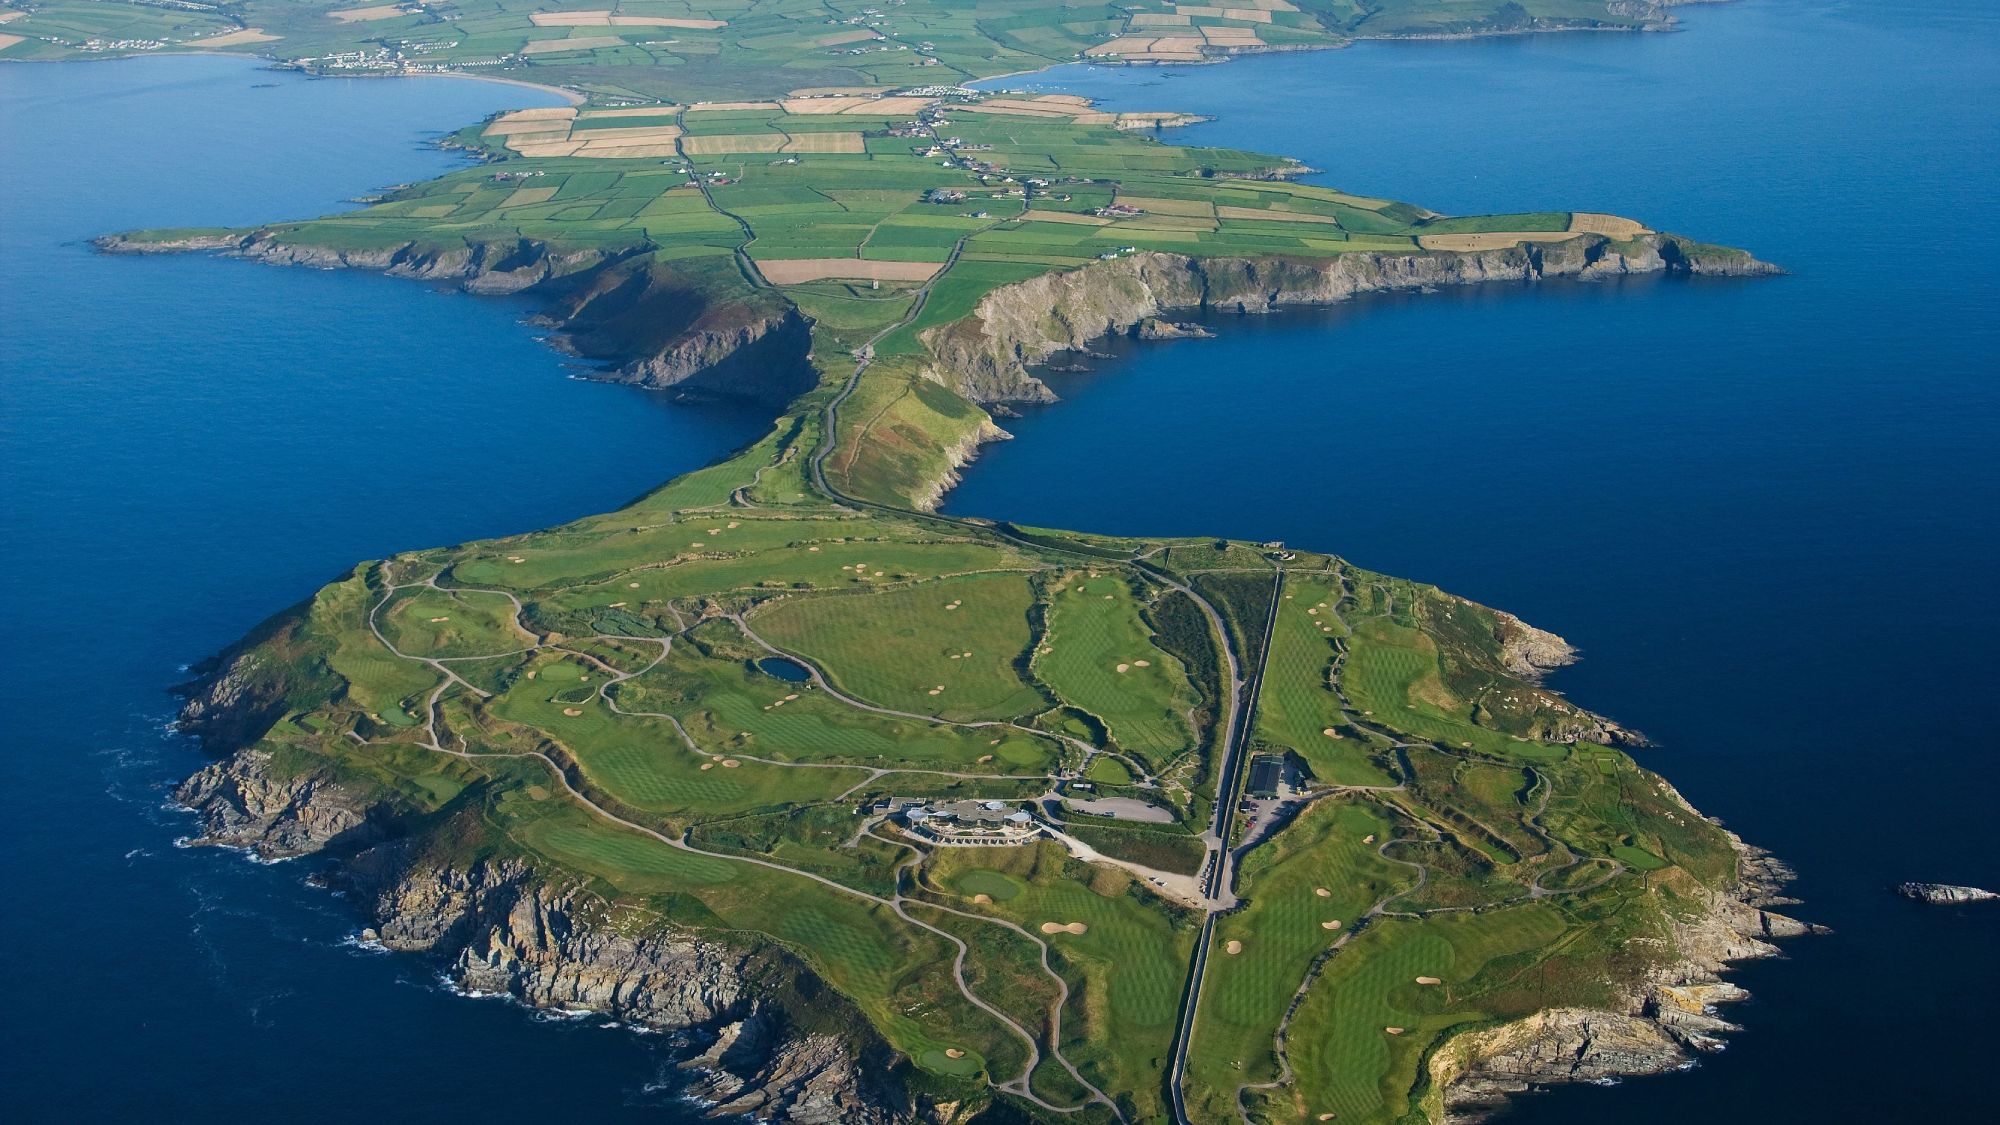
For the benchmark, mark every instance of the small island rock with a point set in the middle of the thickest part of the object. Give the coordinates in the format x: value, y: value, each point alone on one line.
x: 1942, y: 894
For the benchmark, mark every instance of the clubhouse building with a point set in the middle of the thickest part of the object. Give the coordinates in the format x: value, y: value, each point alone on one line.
x: 970, y: 823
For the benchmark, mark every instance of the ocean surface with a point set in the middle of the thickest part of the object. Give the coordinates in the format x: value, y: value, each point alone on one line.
x: 190, y: 445
x: 1765, y: 510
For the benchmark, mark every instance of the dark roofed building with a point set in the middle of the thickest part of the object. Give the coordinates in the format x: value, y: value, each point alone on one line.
x: 1267, y: 771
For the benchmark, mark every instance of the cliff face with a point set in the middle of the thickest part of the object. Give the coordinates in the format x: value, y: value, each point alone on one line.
x: 1668, y: 1017
x: 701, y: 332
x: 244, y: 802
x: 496, y: 926
x: 986, y: 356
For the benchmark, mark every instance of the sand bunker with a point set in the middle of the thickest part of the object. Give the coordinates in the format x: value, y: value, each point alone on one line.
x: 1322, y: 892
x: 1064, y: 927
x: 708, y: 765
x: 1124, y: 667
x: 1368, y: 839
x: 571, y: 712
x: 1233, y: 948
x: 1429, y: 980
x: 435, y: 620
x: 953, y: 1053
x: 983, y: 900
x: 1329, y: 732
x: 1330, y: 924
x: 1393, y: 1030
x: 730, y: 763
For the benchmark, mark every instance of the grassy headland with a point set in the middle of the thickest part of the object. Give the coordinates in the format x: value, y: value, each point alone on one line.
x: 792, y: 201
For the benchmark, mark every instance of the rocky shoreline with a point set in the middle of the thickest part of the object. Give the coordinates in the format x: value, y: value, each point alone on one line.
x: 768, y: 1039
x: 650, y: 326
x: 765, y: 1038
x: 987, y: 355
x: 1668, y: 1019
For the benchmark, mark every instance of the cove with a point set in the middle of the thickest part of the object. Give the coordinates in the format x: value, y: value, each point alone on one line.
x: 1762, y: 509
x: 190, y: 444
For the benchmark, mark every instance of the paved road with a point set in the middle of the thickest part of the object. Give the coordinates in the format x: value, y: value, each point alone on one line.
x: 1221, y: 875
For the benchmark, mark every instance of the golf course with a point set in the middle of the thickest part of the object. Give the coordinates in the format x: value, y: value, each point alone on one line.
x: 1065, y: 826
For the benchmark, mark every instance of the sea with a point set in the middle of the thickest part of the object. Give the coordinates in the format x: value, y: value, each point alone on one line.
x: 1762, y: 509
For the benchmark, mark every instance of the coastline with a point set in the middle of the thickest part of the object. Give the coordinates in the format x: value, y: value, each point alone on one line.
x: 564, y: 961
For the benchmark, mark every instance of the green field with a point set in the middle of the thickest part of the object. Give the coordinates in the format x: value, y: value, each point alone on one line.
x: 950, y: 648
x: 1094, y: 656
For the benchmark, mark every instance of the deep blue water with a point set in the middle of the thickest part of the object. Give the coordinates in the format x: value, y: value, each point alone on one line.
x: 1764, y: 509
x: 191, y: 444
x: 790, y: 671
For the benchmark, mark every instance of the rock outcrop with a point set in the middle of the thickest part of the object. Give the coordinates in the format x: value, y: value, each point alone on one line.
x: 957, y: 456
x: 659, y: 325
x: 1668, y: 1017
x: 497, y: 926
x: 1526, y: 651
x: 986, y: 356
x: 1944, y: 894
x: 243, y: 802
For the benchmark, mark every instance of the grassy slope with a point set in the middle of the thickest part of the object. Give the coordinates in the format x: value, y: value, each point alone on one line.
x: 764, y: 763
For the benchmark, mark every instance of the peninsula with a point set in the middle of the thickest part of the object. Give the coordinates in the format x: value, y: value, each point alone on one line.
x: 887, y: 810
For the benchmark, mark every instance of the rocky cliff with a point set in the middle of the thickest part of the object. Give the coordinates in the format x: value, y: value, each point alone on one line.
x: 695, y: 328
x: 986, y: 356
x: 764, y: 1036
x: 1668, y: 1016
x: 1943, y: 894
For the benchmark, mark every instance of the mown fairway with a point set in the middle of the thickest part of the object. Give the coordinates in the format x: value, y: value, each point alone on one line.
x: 1357, y: 1067
x: 1125, y: 970
x: 727, y: 706
x: 1299, y: 709
x: 1287, y: 925
x: 951, y: 648
x: 1098, y: 656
